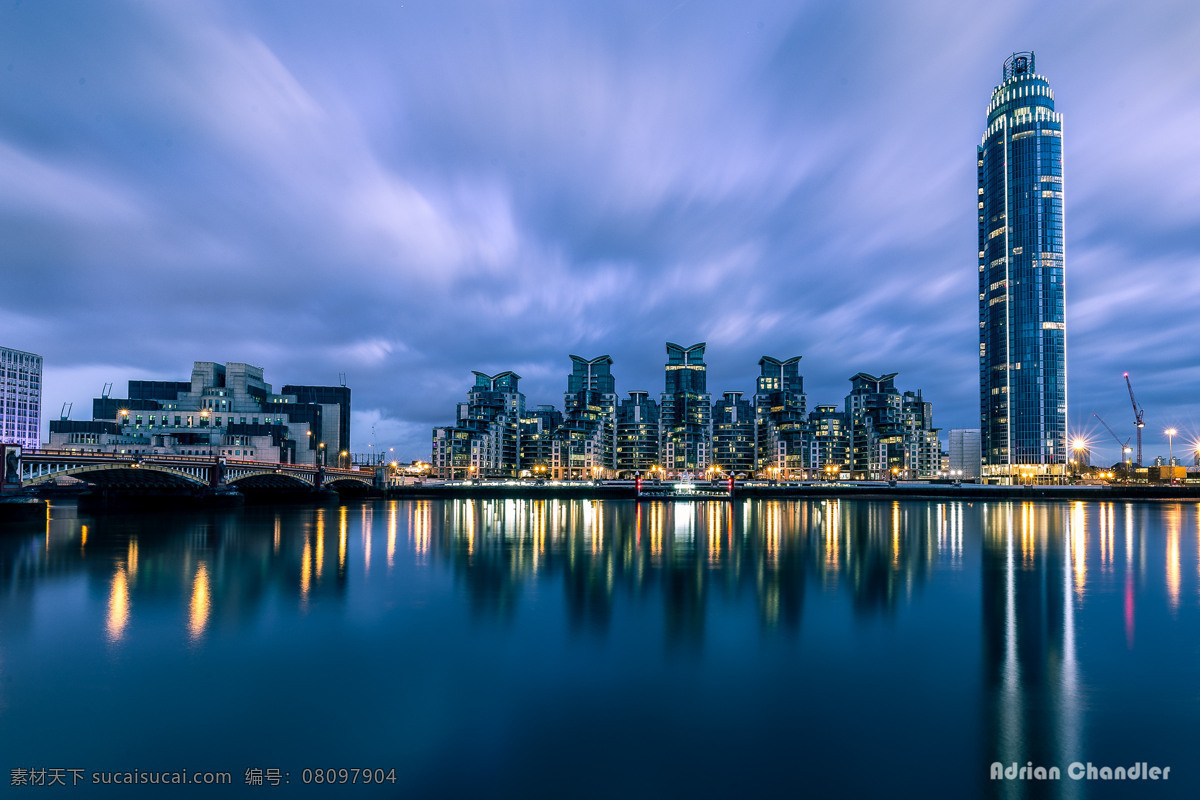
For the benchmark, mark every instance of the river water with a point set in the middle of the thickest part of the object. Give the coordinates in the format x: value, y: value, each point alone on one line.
x: 605, y: 649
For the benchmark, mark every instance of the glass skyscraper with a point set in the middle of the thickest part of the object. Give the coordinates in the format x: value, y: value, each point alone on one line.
x: 1022, y: 322
x: 685, y: 414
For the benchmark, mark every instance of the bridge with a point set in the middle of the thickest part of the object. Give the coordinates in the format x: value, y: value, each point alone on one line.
x: 171, y: 472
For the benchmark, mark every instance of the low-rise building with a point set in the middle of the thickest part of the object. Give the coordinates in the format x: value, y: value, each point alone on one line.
x: 224, y: 410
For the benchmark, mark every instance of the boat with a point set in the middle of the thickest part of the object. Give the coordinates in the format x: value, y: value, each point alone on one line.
x: 685, y: 489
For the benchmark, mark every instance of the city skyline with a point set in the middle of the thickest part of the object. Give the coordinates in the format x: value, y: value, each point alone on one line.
x: 403, y: 197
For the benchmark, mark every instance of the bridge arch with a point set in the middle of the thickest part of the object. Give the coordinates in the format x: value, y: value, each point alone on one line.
x: 267, y: 479
x: 349, y: 480
x: 133, y: 474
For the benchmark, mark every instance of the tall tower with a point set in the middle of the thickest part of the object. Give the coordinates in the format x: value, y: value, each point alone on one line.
x: 783, y: 434
x: 1022, y: 295
x: 685, y: 417
x: 587, y: 435
x: 20, y: 398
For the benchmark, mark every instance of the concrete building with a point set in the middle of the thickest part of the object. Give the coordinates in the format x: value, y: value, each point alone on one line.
x: 224, y: 410
x: 965, y: 456
x: 334, y: 401
x: 20, y: 398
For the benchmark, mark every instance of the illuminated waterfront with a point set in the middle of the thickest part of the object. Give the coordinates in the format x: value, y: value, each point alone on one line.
x: 579, y: 648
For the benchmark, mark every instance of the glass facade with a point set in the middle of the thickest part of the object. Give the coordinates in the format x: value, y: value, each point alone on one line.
x: 734, y: 435
x: 537, y: 438
x: 586, y: 447
x: 1022, y: 292
x: 685, y: 431
x: 891, y: 434
x: 637, y: 435
x: 496, y: 402
x: 831, y: 434
x: 486, y: 440
x: 783, y: 436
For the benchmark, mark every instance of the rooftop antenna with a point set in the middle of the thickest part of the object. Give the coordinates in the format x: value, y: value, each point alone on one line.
x: 342, y: 378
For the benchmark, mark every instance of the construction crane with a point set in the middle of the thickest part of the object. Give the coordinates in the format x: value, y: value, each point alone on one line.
x: 1123, y: 445
x: 1138, y: 411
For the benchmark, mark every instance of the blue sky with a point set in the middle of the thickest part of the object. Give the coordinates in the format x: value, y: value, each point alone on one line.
x: 408, y: 192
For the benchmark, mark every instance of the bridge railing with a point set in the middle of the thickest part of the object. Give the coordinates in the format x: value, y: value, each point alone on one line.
x: 178, y: 459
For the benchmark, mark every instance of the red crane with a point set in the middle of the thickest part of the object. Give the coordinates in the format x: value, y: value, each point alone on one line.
x: 1138, y: 411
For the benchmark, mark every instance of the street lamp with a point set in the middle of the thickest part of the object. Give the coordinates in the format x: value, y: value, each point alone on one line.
x: 1171, y: 447
x: 1079, y: 445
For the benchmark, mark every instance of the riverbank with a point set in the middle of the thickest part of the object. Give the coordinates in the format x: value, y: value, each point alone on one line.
x: 627, y: 490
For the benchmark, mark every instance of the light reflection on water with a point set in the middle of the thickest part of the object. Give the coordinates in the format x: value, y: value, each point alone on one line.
x: 1057, y: 632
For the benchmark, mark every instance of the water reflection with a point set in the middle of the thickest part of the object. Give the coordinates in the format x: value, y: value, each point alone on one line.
x: 1033, y: 571
x: 685, y: 552
x: 1042, y: 608
x: 199, y: 607
x: 118, y: 605
x: 1046, y: 568
x: 603, y: 552
x: 1174, y: 520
